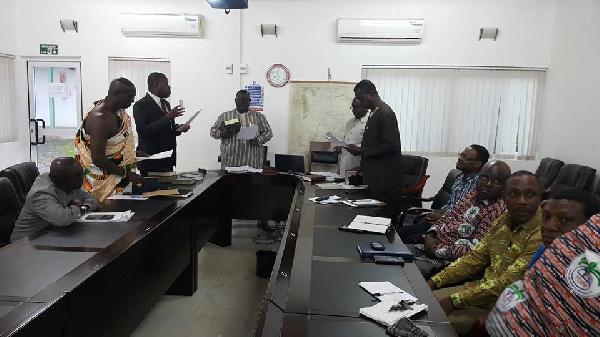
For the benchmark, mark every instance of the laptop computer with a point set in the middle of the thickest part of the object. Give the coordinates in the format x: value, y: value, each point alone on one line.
x: 287, y: 163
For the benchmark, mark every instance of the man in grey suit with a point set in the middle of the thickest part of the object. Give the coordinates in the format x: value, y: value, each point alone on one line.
x: 381, y: 155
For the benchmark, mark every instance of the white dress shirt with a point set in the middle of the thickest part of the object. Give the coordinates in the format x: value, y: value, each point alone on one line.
x: 355, y: 128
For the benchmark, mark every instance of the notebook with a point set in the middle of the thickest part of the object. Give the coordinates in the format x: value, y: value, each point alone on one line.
x: 391, y: 249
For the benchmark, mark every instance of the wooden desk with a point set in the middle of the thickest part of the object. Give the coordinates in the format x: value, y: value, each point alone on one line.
x: 314, y: 290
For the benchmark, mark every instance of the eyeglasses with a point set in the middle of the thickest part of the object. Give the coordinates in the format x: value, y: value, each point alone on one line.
x: 485, y: 180
x: 465, y: 158
x: 244, y: 100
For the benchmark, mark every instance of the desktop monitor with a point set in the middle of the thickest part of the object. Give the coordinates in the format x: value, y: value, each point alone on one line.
x: 289, y: 163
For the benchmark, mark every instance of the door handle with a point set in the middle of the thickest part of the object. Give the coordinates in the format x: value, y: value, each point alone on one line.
x: 37, y: 132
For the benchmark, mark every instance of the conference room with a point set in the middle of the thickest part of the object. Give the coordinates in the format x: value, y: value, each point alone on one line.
x: 516, y: 77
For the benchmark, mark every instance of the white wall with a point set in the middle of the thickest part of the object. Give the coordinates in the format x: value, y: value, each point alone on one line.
x: 572, y: 115
x: 306, y: 45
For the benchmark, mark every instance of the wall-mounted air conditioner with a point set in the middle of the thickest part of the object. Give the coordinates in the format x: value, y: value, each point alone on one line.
x: 380, y: 30
x: 161, y: 25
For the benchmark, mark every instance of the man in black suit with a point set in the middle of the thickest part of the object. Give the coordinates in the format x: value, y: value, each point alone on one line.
x: 155, y: 124
x: 381, y: 155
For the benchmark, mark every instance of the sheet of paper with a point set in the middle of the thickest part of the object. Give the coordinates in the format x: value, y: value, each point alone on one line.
x: 126, y: 197
x: 367, y: 227
x: 378, y: 288
x: 372, y: 220
x: 381, y: 313
x: 332, y: 199
x: 116, y: 216
x: 341, y: 186
x: 248, y: 132
x: 242, y: 169
x: 160, y: 155
x: 328, y: 175
x: 335, y: 140
x: 189, y: 121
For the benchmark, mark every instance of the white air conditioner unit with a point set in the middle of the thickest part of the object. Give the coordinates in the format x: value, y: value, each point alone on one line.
x: 161, y: 25
x: 380, y: 30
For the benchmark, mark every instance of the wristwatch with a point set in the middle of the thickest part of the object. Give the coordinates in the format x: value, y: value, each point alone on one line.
x: 84, y: 209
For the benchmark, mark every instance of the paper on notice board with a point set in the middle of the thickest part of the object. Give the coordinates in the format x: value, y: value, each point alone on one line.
x: 189, y: 121
x: 335, y: 140
x: 160, y: 155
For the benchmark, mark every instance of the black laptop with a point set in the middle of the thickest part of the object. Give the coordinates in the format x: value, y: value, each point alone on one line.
x: 286, y: 163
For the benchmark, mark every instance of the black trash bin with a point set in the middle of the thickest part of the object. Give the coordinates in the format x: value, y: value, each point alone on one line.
x: 265, y: 259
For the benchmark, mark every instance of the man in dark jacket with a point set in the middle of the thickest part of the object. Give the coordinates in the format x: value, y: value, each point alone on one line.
x: 381, y: 155
x: 155, y: 124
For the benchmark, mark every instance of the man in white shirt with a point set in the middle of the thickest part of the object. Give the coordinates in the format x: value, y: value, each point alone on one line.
x: 355, y: 128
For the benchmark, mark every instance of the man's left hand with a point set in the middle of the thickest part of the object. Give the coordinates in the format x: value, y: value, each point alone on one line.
x: 253, y: 141
x: 447, y: 305
x: 354, y: 150
x: 184, y: 128
x: 430, y: 242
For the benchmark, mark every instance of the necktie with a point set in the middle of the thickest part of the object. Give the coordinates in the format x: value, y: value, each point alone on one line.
x: 163, y: 105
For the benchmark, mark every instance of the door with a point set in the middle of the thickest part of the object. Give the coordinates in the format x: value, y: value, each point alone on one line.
x: 55, y: 110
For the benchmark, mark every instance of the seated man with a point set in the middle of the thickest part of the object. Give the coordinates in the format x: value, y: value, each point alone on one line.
x: 504, y: 253
x: 560, y: 279
x: 457, y: 232
x: 55, y: 199
x: 469, y: 162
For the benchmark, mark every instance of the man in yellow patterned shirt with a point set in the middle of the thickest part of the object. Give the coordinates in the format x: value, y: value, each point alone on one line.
x: 504, y: 253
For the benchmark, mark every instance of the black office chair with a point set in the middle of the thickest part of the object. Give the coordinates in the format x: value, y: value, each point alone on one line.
x: 596, y: 191
x: 322, y: 153
x: 548, y: 170
x: 21, y: 177
x: 574, y: 175
x: 414, y: 214
x: 10, y: 208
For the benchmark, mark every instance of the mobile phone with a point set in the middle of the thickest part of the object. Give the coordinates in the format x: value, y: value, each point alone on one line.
x: 181, y: 103
x: 377, y: 246
x: 388, y: 260
x: 99, y: 217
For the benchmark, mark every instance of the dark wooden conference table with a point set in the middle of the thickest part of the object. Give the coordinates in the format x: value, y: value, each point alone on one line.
x: 101, y: 279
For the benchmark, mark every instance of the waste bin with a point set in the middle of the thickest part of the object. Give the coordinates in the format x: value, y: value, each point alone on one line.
x: 265, y: 259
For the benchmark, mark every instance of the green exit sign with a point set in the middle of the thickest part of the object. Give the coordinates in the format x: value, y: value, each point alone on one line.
x: 49, y: 49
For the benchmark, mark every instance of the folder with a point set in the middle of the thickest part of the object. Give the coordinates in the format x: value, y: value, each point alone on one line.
x: 391, y: 249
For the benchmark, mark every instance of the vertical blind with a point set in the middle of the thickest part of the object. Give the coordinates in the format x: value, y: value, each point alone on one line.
x: 137, y: 71
x: 7, y: 99
x: 441, y: 111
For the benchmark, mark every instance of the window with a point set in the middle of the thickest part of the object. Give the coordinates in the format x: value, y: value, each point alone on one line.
x: 137, y: 71
x: 7, y: 98
x: 441, y: 111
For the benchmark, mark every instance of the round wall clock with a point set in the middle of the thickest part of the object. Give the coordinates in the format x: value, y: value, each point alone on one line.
x: 278, y: 75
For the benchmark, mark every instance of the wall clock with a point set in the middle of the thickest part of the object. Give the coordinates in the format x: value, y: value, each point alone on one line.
x: 278, y: 75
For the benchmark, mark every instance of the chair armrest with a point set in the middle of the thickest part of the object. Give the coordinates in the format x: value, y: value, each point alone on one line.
x: 412, y: 210
x: 419, y: 187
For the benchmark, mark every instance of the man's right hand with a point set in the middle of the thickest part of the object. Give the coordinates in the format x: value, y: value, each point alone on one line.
x: 134, y: 178
x: 226, y: 133
x: 431, y: 284
x: 176, y: 112
x: 434, y: 216
x: 430, y: 242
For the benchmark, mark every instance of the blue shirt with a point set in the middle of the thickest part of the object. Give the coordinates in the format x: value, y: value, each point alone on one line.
x: 462, y: 185
x: 537, y: 255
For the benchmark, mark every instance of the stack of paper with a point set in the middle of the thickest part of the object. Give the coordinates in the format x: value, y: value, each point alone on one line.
x: 370, y: 224
x: 126, y: 197
x: 364, y: 203
x: 341, y: 186
x: 107, y: 216
x: 389, y: 295
x: 332, y: 199
x: 242, y: 169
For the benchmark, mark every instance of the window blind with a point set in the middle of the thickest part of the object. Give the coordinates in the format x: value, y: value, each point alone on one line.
x: 7, y: 99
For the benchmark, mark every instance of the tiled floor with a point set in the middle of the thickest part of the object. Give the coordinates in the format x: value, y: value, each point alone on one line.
x: 228, y: 298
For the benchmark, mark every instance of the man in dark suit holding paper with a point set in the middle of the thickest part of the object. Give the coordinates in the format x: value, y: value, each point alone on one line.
x: 155, y: 124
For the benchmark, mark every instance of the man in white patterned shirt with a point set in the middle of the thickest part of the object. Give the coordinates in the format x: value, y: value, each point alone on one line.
x: 239, y: 152
x: 355, y: 128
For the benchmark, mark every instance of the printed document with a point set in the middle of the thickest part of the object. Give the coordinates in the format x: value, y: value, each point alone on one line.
x: 189, y: 121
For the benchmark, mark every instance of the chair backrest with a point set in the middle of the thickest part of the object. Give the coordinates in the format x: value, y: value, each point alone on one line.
x: 548, y: 170
x: 15, y: 179
x: 414, y: 167
x: 22, y: 176
x: 10, y: 208
x: 322, y: 153
x: 596, y: 191
x: 443, y: 195
x: 574, y: 175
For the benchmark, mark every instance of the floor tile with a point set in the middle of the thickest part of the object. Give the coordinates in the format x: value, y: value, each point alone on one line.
x: 221, y: 323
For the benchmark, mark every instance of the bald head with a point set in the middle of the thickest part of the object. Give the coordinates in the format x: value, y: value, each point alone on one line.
x: 66, y: 173
x: 492, y: 177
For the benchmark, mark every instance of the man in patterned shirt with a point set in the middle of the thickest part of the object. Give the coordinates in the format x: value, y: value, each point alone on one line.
x: 469, y: 162
x: 239, y: 152
x: 504, y: 253
x: 560, y: 296
x: 458, y: 231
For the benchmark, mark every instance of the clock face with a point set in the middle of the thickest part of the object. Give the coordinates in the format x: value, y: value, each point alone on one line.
x: 278, y: 75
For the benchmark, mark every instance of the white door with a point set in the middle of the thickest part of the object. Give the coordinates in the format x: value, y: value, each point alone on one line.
x: 55, y: 110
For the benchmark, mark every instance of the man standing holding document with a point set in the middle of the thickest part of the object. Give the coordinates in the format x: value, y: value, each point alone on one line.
x: 242, y: 133
x: 155, y: 124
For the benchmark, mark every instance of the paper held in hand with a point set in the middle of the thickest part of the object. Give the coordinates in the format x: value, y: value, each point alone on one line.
x: 248, y: 132
x: 160, y: 155
x: 189, y: 121
x: 335, y: 140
